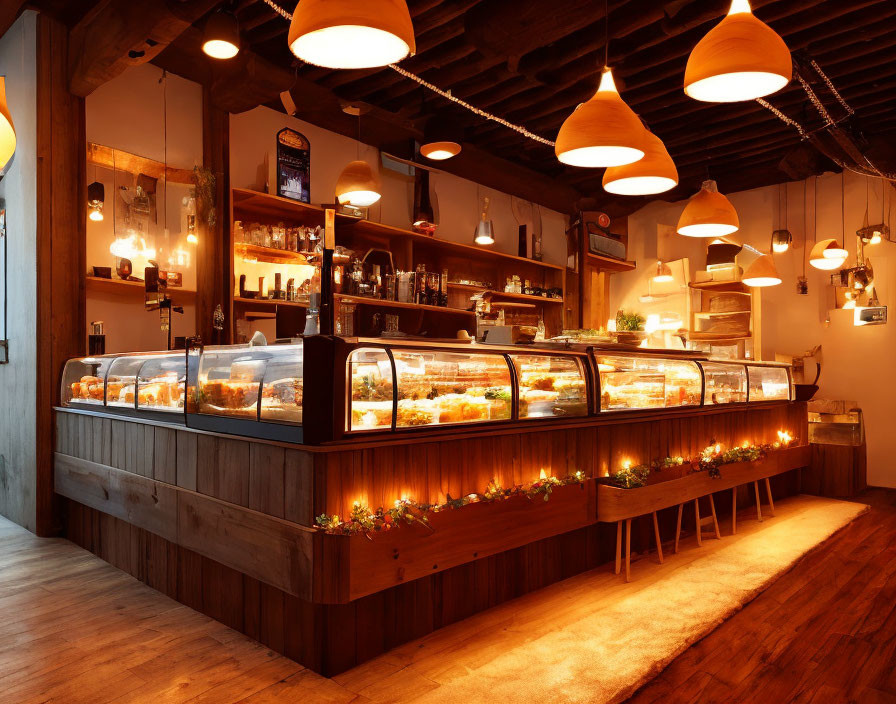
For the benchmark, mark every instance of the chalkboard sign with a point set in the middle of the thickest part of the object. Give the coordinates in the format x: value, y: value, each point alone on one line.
x: 293, y: 165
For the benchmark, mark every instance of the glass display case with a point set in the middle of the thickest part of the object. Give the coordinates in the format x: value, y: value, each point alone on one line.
x: 438, y: 388
x: 252, y: 383
x: 768, y: 383
x: 630, y: 383
x: 724, y: 383
x: 161, y: 383
x: 550, y: 386
x: 83, y: 380
x: 370, y: 376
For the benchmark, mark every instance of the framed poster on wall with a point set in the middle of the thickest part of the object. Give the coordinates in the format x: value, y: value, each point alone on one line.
x: 293, y: 165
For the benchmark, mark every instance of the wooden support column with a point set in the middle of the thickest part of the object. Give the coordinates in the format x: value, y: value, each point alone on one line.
x: 61, y: 235
x: 213, y: 261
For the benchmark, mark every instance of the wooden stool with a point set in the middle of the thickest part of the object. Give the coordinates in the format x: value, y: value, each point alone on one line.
x: 628, y: 545
x: 698, y: 523
x: 771, y: 503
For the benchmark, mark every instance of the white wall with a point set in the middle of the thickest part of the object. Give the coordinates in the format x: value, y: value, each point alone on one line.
x: 253, y: 139
x: 18, y: 191
x: 129, y: 114
x: 857, y: 362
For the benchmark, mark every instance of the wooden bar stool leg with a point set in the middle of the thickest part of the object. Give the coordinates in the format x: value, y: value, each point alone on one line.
x: 618, y: 546
x: 628, y: 549
x: 656, y: 534
x: 768, y: 493
x: 758, y: 505
x: 697, y: 515
x: 715, y: 522
x: 678, y: 527
x: 734, y: 511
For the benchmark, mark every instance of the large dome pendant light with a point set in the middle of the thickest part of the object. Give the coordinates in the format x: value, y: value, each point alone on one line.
x: 358, y: 185
x: 708, y: 214
x: 7, y: 130
x: 348, y: 34
x: 655, y: 173
x: 603, y: 131
x: 741, y: 58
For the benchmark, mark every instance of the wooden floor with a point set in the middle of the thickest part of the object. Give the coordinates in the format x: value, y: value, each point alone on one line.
x: 74, y: 629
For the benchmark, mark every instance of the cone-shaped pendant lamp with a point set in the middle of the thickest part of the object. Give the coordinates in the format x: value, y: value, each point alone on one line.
x: 663, y: 273
x: 602, y: 132
x: 708, y: 214
x: 741, y: 58
x: 7, y: 131
x: 221, y: 39
x: 358, y: 185
x: 827, y: 255
x: 351, y: 33
x: 655, y: 173
x: 762, y: 272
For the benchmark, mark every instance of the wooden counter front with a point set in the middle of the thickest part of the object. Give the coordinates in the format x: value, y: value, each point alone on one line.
x: 206, y: 517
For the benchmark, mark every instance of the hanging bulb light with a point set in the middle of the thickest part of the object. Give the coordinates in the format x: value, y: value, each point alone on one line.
x: 781, y: 240
x: 441, y: 139
x: 7, y: 130
x: 601, y: 132
x: 221, y: 39
x: 708, y: 214
x: 484, y: 234
x: 827, y: 255
x: 663, y: 273
x: 96, y: 197
x: 655, y: 173
x: 741, y: 58
x: 762, y: 272
x: 351, y: 33
x: 358, y: 185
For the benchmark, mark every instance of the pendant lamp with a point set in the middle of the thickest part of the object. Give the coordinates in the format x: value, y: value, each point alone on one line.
x: 741, y: 58
x: 762, y: 272
x: 828, y: 255
x: 484, y: 234
x: 351, y: 33
x: 655, y: 173
x: 7, y: 130
x: 358, y: 185
x: 442, y: 138
x: 602, y: 132
x: 663, y: 273
x: 221, y: 39
x: 708, y: 214
x: 96, y: 199
x: 781, y: 241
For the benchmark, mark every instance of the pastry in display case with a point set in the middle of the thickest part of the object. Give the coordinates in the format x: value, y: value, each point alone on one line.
x: 83, y: 380
x: 161, y: 383
x: 629, y: 383
x: 724, y: 383
x: 370, y: 376
x: 282, y: 387
x: 769, y: 383
x: 437, y: 388
x: 550, y: 386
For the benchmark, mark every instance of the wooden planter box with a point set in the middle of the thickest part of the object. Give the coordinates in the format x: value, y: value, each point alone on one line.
x: 458, y: 536
x: 615, y: 504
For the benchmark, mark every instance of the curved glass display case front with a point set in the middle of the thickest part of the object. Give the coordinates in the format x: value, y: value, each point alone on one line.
x: 768, y: 383
x: 724, y: 383
x: 83, y: 380
x: 161, y: 383
x: 439, y: 388
x: 370, y: 377
x: 550, y: 386
x: 634, y: 383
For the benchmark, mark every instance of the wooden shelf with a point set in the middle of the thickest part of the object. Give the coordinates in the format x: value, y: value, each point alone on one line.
x: 505, y: 296
x: 714, y: 336
x: 268, y: 302
x: 608, y: 263
x: 723, y: 286
x: 272, y: 255
x: 467, y: 250
x: 270, y: 207
x: 382, y: 303
x: 120, y: 286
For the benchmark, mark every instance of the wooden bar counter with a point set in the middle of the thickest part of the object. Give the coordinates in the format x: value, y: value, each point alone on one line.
x: 226, y: 524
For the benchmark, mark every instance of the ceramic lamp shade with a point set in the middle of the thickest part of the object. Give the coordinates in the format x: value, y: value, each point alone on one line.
x: 602, y: 132
x: 827, y: 255
x: 708, y: 214
x: 351, y: 34
x: 655, y: 173
x: 741, y: 58
x: 221, y: 39
x: 7, y: 130
x: 358, y: 185
x: 762, y: 272
x: 663, y: 273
